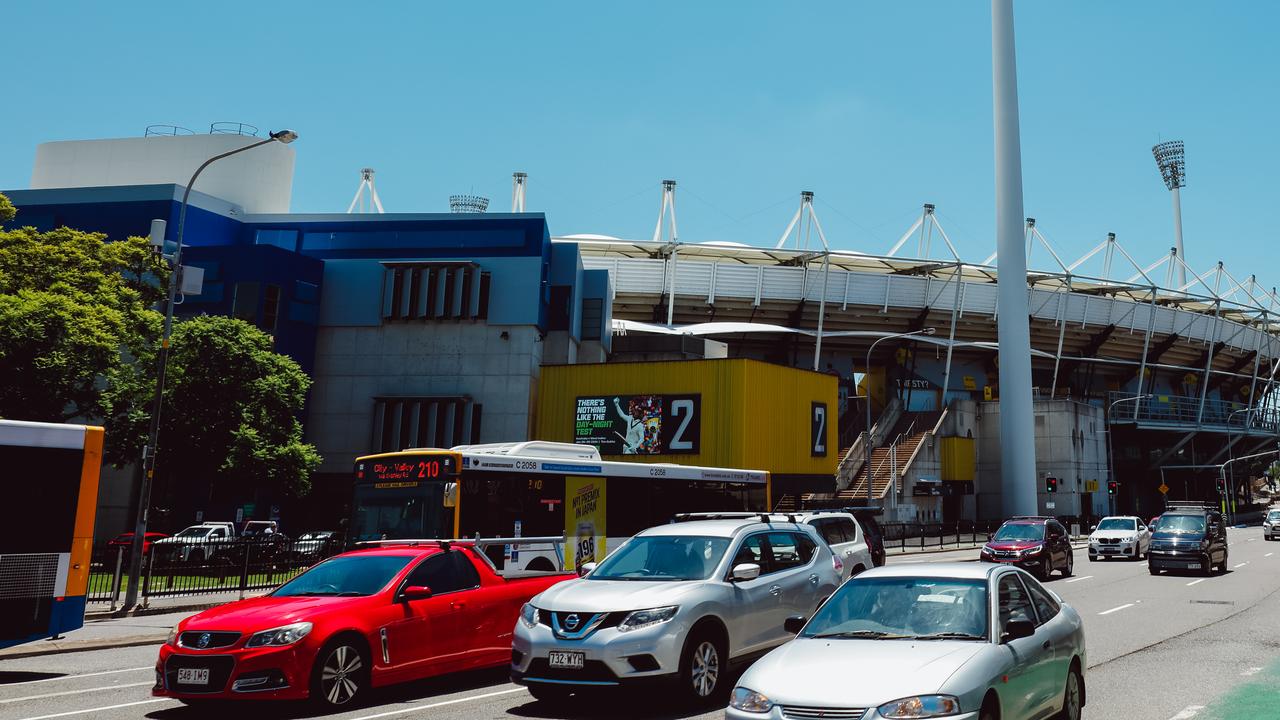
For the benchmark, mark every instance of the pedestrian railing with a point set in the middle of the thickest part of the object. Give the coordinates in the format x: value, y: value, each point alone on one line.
x: 936, y: 535
x: 202, y: 567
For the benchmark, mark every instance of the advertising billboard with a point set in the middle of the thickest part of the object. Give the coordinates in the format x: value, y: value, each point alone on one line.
x: 584, y: 521
x: 639, y: 424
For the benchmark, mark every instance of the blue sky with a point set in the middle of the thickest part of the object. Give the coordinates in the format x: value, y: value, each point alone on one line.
x: 877, y: 107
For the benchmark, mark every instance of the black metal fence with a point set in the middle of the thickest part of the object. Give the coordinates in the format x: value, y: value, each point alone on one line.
x: 196, y: 567
x: 936, y: 535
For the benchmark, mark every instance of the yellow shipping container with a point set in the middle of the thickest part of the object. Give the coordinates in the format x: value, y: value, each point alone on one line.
x: 724, y: 413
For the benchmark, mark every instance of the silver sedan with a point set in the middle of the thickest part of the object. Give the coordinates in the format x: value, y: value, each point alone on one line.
x: 948, y: 640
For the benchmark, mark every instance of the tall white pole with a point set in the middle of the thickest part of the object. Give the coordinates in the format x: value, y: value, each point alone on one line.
x: 1177, y: 236
x: 1017, y: 441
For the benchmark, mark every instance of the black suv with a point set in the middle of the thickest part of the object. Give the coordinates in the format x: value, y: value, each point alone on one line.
x: 866, y: 517
x: 1034, y: 543
x: 1188, y: 538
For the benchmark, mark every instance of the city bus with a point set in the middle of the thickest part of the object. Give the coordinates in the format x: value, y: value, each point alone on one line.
x: 46, y: 544
x: 537, y: 489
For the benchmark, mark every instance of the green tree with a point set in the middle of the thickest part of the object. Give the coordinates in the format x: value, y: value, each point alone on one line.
x: 230, y: 429
x: 77, y: 334
x: 7, y: 210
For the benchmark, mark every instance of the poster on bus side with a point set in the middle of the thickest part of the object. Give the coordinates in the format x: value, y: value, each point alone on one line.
x: 584, y: 525
x: 639, y: 424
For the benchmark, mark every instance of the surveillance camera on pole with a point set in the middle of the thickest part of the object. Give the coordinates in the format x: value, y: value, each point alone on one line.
x: 1172, y: 161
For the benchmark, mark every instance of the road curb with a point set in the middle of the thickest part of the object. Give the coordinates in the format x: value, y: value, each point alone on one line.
x: 55, y: 647
x: 99, y: 615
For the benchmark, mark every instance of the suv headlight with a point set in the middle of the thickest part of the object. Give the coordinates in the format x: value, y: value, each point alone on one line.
x: 530, y: 616
x: 748, y: 700
x: 1029, y: 551
x: 921, y: 706
x: 275, y: 637
x: 645, y: 618
x: 173, y: 636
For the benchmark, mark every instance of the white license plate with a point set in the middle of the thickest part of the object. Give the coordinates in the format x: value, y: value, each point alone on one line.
x: 561, y: 660
x: 193, y: 676
x: 1193, y: 566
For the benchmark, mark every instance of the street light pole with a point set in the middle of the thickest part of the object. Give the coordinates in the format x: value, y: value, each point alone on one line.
x: 1111, y: 444
x: 867, y: 443
x: 149, y: 451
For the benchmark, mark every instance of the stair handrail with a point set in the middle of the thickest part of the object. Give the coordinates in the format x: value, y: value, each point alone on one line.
x: 853, y: 460
x: 927, y: 436
x: 897, y: 440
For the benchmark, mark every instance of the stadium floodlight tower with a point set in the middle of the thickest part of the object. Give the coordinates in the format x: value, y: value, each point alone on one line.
x: 1017, y: 442
x: 519, y: 181
x: 468, y: 204
x: 359, y: 203
x: 1171, y: 158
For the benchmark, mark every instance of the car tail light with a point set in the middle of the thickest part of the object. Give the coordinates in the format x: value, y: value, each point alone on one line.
x: 837, y: 564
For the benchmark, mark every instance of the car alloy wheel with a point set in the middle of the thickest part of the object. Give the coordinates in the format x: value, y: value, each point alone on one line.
x: 1071, y: 562
x: 704, y: 669
x: 1071, y: 697
x: 1046, y: 567
x: 341, y: 675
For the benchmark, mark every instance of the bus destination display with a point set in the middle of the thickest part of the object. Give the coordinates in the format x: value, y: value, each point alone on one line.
x: 411, y: 469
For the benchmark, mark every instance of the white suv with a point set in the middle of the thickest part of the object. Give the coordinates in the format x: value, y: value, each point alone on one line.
x: 840, y: 530
x: 682, y: 601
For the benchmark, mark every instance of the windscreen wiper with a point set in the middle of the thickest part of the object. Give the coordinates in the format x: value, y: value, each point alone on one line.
x: 949, y: 636
x: 862, y: 635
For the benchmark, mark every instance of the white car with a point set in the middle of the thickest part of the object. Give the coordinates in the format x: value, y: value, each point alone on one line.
x: 1123, y: 536
x: 1271, y: 525
x: 961, y: 641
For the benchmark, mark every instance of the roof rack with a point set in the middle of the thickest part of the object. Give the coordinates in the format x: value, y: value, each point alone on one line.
x: 1190, y: 505
x: 447, y: 543
x: 764, y: 517
x: 1031, y: 517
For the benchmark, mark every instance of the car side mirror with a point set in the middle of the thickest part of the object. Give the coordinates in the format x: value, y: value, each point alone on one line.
x: 1016, y: 629
x: 794, y: 624
x: 745, y: 571
x: 415, y: 592
x: 1091, y: 529
x: 586, y: 568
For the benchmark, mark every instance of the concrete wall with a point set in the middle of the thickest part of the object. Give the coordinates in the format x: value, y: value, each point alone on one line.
x: 356, y: 364
x: 260, y: 181
x: 1070, y: 445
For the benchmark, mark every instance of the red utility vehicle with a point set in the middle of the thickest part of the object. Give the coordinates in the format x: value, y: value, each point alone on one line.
x: 365, y: 618
x: 125, y: 540
x: 1036, y: 543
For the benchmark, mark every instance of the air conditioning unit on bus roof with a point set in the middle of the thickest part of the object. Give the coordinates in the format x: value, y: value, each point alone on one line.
x: 534, y: 448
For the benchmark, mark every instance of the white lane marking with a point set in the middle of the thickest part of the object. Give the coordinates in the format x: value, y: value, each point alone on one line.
x: 416, y: 708
x: 1268, y: 555
x: 1252, y: 539
x: 1251, y: 671
x: 1195, y: 582
x: 1078, y: 579
x: 73, y: 677
x: 1188, y: 712
x: 1117, y: 609
x: 97, y: 709
x: 75, y: 692
x: 1246, y: 562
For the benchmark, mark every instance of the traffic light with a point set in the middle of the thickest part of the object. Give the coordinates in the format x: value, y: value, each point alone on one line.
x: 1051, y: 484
x: 1112, y: 485
x: 1222, y: 486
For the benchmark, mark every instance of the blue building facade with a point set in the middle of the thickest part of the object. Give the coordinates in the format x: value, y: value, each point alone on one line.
x: 417, y: 329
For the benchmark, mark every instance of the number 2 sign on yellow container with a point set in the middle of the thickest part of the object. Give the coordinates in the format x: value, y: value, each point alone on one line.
x: 584, y: 526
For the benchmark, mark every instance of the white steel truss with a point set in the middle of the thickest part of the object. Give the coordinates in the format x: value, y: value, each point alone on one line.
x: 360, y: 203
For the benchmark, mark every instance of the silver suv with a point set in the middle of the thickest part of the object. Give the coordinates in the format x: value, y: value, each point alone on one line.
x: 675, y: 602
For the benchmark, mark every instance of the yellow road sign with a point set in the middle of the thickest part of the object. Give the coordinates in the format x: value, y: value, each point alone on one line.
x: 1164, y: 489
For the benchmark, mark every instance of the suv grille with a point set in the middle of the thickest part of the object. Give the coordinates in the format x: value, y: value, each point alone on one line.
x: 797, y: 712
